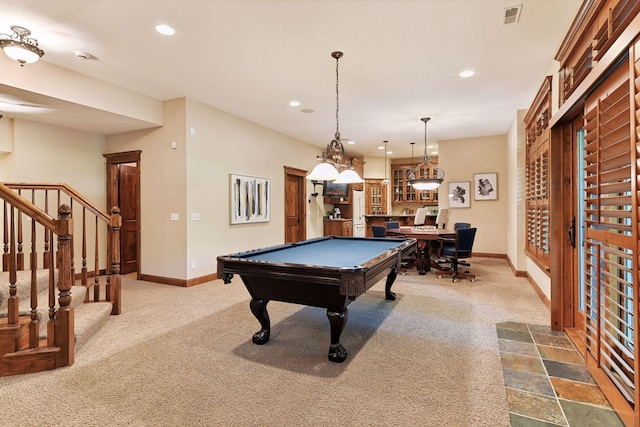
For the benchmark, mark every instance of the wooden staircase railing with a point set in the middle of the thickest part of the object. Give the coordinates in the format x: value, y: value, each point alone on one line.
x: 21, y: 349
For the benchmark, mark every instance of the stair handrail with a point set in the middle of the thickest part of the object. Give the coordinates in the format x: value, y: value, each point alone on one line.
x: 67, y: 189
x: 28, y: 208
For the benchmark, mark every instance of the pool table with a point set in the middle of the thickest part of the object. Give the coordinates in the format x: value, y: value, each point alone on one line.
x: 328, y: 272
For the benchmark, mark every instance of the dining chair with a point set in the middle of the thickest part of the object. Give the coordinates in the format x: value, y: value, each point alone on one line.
x: 442, y: 217
x: 379, y: 231
x: 421, y: 216
x: 392, y: 224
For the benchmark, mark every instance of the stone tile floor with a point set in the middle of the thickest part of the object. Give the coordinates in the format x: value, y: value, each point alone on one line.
x: 546, y: 381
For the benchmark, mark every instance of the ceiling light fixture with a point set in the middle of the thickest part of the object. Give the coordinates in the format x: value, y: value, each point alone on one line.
x: 20, y: 47
x: 164, y: 29
x: 334, y: 157
x: 385, y: 181
x: 438, y: 174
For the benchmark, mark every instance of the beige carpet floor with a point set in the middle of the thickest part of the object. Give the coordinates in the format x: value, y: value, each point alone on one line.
x: 184, y: 357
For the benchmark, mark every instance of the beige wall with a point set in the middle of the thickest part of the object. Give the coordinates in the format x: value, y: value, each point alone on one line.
x: 6, y: 136
x: 461, y: 159
x: 194, y: 178
x: 49, y: 154
x: 516, y: 227
x: 163, y: 186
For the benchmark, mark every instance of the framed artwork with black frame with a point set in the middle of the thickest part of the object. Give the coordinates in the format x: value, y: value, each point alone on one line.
x: 485, y: 186
x: 459, y: 194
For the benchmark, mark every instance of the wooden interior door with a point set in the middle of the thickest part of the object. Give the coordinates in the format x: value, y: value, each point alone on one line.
x: 123, y: 190
x: 295, y: 214
x: 127, y: 192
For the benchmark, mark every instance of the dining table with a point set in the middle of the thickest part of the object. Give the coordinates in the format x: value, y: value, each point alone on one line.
x: 426, y: 237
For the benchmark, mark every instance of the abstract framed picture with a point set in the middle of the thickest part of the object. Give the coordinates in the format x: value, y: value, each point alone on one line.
x: 459, y: 194
x: 250, y: 199
x: 485, y: 186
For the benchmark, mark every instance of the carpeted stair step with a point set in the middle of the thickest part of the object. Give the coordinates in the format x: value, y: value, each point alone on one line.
x: 24, y: 308
x: 89, y: 318
x: 23, y: 285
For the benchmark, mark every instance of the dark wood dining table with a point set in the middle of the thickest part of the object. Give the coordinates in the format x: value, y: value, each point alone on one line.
x: 425, y: 236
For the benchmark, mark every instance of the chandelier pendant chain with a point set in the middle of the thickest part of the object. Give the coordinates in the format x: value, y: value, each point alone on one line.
x: 337, y: 55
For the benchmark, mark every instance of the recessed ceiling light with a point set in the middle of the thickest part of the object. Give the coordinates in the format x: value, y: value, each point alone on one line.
x: 435, y: 153
x: 294, y: 103
x: 389, y: 152
x: 165, y: 29
x: 467, y: 73
x: 381, y: 147
x: 350, y: 141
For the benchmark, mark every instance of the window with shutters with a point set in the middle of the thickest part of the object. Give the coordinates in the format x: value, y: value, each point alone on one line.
x: 610, y: 245
x: 538, y: 177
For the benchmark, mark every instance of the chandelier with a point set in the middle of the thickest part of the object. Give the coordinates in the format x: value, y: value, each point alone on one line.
x: 438, y: 174
x: 20, y: 47
x: 334, y: 158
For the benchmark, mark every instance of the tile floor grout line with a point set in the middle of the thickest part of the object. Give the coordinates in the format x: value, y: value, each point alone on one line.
x: 566, y: 420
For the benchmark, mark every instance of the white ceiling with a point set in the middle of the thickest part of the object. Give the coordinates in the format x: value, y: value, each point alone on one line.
x: 251, y: 57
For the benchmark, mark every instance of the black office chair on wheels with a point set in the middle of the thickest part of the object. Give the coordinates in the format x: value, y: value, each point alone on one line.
x: 444, y: 242
x: 455, y: 255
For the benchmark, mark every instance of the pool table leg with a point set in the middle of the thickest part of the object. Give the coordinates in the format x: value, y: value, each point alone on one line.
x: 337, y: 353
x: 259, y: 309
x: 391, y: 277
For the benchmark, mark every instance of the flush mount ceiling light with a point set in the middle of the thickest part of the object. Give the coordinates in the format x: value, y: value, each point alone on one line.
x: 20, y: 47
x: 427, y: 183
x: 164, y: 29
x: 334, y: 157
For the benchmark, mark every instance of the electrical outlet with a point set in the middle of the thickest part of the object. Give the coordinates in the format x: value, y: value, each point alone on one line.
x: 193, y: 264
x: 175, y: 217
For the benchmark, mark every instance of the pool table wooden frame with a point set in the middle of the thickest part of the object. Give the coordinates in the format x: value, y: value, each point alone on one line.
x: 332, y: 288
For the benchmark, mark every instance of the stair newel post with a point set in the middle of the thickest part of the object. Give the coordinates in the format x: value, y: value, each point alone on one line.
x: 114, y: 278
x: 64, y: 322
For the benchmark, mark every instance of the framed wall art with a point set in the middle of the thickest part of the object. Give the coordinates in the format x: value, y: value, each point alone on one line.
x: 459, y: 195
x: 250, y: 199
x: 485, y: 186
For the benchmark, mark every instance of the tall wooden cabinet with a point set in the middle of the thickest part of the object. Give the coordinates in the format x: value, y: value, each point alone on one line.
x: 375, y: 197
x: 403, y: 192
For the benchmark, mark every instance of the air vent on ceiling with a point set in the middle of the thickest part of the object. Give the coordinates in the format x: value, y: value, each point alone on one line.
x: 511, y: 15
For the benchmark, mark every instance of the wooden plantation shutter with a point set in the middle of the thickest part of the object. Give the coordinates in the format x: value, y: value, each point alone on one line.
x: 610, y: 246
x: 537, y: 176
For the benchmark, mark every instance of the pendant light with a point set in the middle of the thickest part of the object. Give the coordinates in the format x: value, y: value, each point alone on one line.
x: 438, y: 174
x: 385, y: 181
x: 334, y: 157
